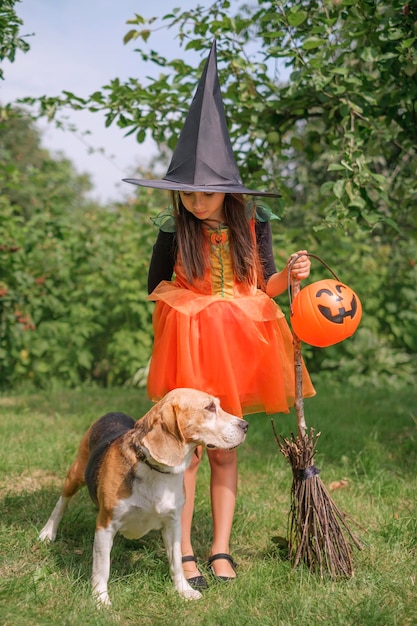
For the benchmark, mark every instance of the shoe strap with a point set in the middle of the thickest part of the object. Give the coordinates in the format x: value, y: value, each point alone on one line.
x: 222, y: 555
x: 188, y: 559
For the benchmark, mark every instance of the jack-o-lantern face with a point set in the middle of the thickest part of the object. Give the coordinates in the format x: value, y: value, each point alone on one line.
x: 338, y: 299
x: 325, y: 313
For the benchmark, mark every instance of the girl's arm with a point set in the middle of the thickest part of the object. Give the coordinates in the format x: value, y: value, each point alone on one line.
x: 276, y: 282
x: 162, y: 260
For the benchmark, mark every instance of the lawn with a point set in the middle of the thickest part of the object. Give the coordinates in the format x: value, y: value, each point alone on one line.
x: 368, y: 439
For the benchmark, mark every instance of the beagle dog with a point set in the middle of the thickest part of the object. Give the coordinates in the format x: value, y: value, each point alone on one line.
x: 134, y: 473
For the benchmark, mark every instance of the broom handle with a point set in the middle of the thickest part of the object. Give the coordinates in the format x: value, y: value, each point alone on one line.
x: 298, y: 373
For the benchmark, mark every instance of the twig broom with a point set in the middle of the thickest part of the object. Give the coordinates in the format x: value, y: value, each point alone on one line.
x: 318, y: 533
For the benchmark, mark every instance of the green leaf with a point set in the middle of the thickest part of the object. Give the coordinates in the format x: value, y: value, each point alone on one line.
x: 357, y: 203
x: 407, y: 43
x: 138, y: 19
x: 145, y: 34
x: 394, y: 34
x: 84, y: 358
x: 379, y: 178
x: 297, y: 17
x: 312, y: 42
x: 326, y: 187
x: 339, y: 188
x: 343, y: 71
x: 131, y: 34
x: 297, y: 143
x: 335, y: 167
x: 370, y: 55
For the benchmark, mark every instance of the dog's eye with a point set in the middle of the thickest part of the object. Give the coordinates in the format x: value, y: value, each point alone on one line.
x: 211, y: 407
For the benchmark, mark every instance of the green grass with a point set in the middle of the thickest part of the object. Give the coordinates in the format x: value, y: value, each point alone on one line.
x: 368, y: 438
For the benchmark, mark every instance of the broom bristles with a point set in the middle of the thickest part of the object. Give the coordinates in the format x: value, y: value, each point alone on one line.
x: 318, y: 533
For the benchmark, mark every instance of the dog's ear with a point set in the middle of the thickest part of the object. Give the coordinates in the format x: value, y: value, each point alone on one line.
x: 164, y: 439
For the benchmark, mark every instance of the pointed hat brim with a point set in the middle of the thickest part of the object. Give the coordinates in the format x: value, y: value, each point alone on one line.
x: 169, y: 185
x: 203, y: 159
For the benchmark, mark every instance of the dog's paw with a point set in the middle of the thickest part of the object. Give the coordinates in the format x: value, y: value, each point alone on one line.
x: 47, y: 533
x: 191, y: 594
x: 102, y: 599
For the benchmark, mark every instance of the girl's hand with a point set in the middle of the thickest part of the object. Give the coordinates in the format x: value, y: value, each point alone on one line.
x: 277, y: 283
x: 301, y: 268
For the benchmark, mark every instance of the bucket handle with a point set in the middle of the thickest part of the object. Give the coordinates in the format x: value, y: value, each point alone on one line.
x: 296, y: 284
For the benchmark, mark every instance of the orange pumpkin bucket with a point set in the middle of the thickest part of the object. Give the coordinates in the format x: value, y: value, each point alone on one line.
x: 325, y: 312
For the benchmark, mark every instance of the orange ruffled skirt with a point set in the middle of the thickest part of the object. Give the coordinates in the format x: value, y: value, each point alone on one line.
x: 239, y: 349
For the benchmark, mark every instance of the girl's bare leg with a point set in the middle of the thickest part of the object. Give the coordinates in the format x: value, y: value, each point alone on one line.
x: 223, y: 490
x: 190, y: 479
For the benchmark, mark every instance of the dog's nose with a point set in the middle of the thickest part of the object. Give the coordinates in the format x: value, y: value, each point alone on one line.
x: 244, y: 425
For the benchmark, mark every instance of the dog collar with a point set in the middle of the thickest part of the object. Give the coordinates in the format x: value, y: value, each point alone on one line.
x: 141, y: 456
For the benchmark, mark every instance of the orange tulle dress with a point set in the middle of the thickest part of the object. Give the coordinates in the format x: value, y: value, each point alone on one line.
x: 222, y: 337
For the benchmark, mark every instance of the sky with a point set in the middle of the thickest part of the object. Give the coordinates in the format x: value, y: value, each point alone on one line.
x: 77, y: 45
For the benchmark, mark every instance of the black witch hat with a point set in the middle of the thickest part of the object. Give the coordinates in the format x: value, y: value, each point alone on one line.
x: 203, y: 158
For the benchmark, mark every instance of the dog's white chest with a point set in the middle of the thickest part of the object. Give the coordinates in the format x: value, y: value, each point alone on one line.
x: 151, y: 504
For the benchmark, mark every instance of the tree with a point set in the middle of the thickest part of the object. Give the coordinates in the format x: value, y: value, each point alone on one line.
x: 29, y: 177
x: 348, y: 104
x: 72, y: 281
x: 10, y: 41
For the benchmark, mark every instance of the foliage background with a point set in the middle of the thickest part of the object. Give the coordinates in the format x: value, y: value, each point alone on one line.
x: 337, y: 137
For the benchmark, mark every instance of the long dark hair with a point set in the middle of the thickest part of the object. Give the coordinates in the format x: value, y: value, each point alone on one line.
x: 191, y: 240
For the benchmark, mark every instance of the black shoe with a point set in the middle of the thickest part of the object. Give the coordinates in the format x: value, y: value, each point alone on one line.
x: 227, y: 557
x: 198, y: 583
